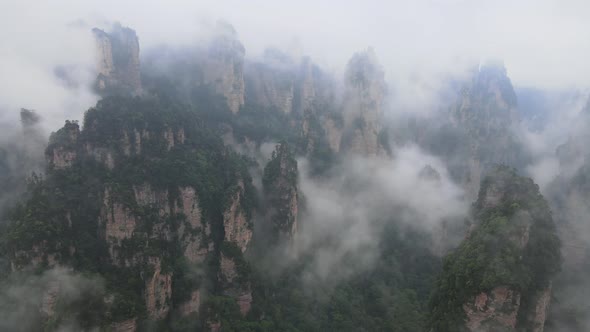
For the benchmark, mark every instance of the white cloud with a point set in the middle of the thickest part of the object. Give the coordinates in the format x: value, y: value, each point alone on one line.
x: 544, y: 43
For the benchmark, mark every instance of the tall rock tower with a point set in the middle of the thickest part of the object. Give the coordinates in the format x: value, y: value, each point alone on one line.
x: 223, y: 69
x: 500, y: 276
x: 280, y: 187
x: 118, y: 61
x: 486, y: 112
x: 363, y: 103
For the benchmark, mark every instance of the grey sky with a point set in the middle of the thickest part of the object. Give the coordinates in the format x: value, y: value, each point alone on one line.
x: 543, y: 43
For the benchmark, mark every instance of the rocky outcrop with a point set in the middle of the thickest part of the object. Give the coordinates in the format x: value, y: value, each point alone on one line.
x: 307, y: 90
x: 169, y: 138
x: 62, y: 158
x: 245, y: 302
x: 491, y: 311
x: 237, y: 228
x: 101, y: 155
x: 128, y: 199
x: 499, y: 310
x: 146, y: 196
x: 227, y: 267
x: 118, y: 222
x: 129, y: 325
x: 334, y: 133
x: 118, y: 64
x: 193, y: 233
x: 486, y: 112
x: 49, y: 299
x: 158, y: 291
x: 192, y: 305
x: 538, y: 314
x: 62, y: 150
x: 39, y: 255
x: 281, y: 191
x: 272, y: 82
x: 363, y: 104
x: 485, y: 284
x: 131, y: 142
x: 239, y: 289
x: 223, y: 68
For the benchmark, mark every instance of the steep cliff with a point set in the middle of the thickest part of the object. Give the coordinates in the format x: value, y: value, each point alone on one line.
x: 118, y: 64
x: 145, y: 218
x: 223, y: 66
x: 499, y: 279
x: 486, y: 113
x: 281, y: 192
x: 363, y: 104
x: 271, y: 81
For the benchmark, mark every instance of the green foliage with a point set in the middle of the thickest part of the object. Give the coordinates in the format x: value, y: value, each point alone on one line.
x: 280, y: 187
x: 390, y: 296
x: 233, y: 252
x: 62, y: 212
x: 281, y: 167
x: 492, y: 254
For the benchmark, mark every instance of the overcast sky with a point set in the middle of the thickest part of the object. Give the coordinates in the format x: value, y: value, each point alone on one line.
x: 543, y: 43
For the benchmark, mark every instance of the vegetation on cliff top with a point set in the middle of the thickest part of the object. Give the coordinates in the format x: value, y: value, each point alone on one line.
x: 514, y: 244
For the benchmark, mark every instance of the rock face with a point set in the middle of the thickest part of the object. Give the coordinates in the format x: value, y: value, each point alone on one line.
x: 237, y: 228
x: 223, y: 68
x: 158, y: 291
x: 280, y: 187
x: 233, y: 283
x: 118, y: 61
x: 486, y: 112
x: 62, y: 150
x: 484, y: 284
x: 129, y: 325
x: 159, y: 210
x: 363, y: 103
x: 538, y: 314
x: 194, y: 234
x: 308, y: 87
x: 271, y: 83
x: 494, y: 310
x: 192, y: 305
x: 119, y: 224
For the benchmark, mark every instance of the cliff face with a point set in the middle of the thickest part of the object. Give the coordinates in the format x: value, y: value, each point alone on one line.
x: 363, y: 104
x: 505, y: 265
x: 486, y: 112
x: 62, y: 150
x: 236, y: 225
x: 223, y: 67
x: 153, y: 212
x: 281, y: 192
x: 118, y: 61
x: 271, y: 82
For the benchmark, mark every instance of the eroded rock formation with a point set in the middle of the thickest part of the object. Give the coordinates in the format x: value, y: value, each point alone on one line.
x: 280, y: 186
x: 223, y: 67
x: 363, y: 104
x: 485, y: 285
x: 486, y: 113
x: 118, y: 61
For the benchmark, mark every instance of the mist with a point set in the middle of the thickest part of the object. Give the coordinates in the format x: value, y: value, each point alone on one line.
x: 429, y: 51
x: 405, y: 36
x: 346, y: 213
x: 53, y: 291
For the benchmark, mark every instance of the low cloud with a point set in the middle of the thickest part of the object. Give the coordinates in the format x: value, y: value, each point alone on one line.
x: 346, y: 214
x: 27, y: 299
